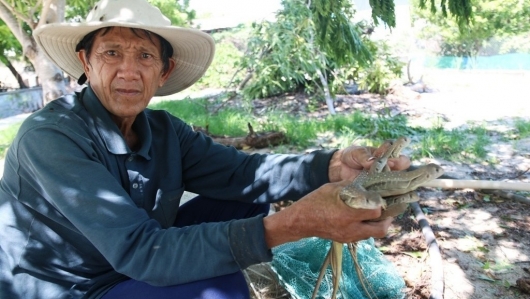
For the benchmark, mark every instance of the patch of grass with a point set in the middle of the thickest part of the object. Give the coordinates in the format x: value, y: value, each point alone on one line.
x: 337, y: 131
x: 229, y: 121
x: 481, y: 140
x: 497, y: 267
x: 341, y: 130
x: 523, y: 127
x: 301, y: 131
x: 468, y: 145
x: 6, y: 138
x: 438, y: 142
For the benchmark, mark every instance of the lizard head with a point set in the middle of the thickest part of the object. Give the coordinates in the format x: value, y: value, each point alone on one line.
x: 363, y: 200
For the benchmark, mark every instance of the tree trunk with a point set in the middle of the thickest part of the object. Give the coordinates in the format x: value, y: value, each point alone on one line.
x: 323, y: 80
x: 330, y: 102
x: 50, y: 78
x: 48, y: 74
x: 13, y: 71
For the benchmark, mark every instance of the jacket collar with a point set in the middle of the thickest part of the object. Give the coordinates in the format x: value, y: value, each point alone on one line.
x: 108, y: 130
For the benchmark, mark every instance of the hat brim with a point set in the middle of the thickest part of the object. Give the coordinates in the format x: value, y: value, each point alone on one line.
x: 193, y: 50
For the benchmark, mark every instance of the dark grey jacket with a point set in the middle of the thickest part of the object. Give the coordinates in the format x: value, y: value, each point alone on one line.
x: 79, y: 211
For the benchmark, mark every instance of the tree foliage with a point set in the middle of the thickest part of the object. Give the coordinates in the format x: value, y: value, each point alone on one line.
x: 335, y: 34
x: 10, y: 49
x: 491, y: 18
x: 461, y: 10
x: 288, y: 53
x: 314, y: 46
x: 22, y: 17
x: 179, y: 12
x: 377, y: 76
x: 383, y: 10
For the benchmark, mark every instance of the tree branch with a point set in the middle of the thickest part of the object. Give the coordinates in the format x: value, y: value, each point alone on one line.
x: 32, y: 13
x: 52, y: 12
x: 477, y: 184
x: 8, y: 16
x: 14, y: 14
x: 437, y: 275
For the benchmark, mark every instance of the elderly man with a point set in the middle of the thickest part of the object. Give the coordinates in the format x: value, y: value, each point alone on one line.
x: 90, y: 197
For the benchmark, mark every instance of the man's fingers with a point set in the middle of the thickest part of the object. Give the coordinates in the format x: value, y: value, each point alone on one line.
x: 357, y: 157
x: 377, y: 229
x: 378, y: 152
x: 401, y: 163
x: 366, y: 214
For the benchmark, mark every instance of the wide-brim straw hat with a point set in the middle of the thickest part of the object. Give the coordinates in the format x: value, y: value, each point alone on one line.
x: 193, y: 50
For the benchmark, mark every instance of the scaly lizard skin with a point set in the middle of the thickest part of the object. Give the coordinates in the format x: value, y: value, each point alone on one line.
x: 372, y: 189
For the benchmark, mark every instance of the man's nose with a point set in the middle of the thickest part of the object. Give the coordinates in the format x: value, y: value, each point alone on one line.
x: 129, y: 68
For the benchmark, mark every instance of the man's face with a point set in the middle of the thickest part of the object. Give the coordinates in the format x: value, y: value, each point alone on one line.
x: 125, y: 70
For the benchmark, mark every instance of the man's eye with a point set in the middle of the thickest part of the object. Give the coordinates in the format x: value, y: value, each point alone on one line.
x: 146, y: 56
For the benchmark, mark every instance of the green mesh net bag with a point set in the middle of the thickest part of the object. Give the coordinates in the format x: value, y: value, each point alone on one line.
x: 298, y: 264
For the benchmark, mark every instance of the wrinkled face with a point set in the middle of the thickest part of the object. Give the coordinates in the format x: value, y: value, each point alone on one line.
x: 125, y: 70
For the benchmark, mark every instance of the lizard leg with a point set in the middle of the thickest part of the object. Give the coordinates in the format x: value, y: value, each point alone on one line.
x: 322, y: 272
x: 396, y: 205
x: 333, y: 258
x: 336, y: 266
x: 352, y: 247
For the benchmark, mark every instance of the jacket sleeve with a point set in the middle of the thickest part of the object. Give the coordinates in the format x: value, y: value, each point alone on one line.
x: 223, y: 172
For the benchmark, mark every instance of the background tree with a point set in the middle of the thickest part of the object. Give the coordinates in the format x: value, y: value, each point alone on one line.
x: 460, y: 10
x: 303, y: 47
x: 314, y: 45
x: 491, y: 18
x: 22, y: 17
x: 10, y: 49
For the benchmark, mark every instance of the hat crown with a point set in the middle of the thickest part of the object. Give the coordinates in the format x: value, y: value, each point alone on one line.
x: 129, y: 11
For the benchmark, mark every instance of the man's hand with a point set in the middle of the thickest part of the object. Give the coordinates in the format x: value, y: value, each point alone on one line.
x: 346, y: 164
x: 323, y: 214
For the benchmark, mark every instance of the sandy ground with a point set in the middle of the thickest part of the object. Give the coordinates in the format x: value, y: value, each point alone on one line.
x: 484, y: 239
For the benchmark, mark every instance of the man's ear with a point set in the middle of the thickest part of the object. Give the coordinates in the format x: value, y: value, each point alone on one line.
x: 166, y: 74
x: 84, y: 61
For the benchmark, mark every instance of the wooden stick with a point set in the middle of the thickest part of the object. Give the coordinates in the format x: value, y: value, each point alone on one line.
x: 477, y: 184
x: 437, y: 275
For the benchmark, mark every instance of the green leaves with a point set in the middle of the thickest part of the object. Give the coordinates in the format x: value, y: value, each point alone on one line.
x: 384, y: 10
x: 177, y: 11
x: 475, y: 23
x: 288, y: 54
x: 337, y: 36
x: 461, y: 10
